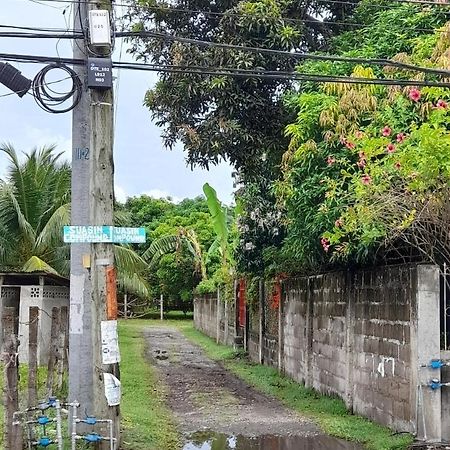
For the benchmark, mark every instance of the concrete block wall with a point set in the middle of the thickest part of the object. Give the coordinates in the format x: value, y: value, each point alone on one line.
x: 205, y: 318
x: 365, y: 336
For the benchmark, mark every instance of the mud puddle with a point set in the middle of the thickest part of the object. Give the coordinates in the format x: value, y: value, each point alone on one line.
x: 220, y: 441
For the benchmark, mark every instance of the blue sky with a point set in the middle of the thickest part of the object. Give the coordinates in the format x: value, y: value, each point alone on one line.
x: 142, y: 165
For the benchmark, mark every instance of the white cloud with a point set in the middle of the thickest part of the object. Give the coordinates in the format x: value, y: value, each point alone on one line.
x: 158, y: 193
x: 120, y: 194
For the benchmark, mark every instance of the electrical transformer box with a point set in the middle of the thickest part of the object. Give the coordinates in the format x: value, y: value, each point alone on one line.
x: 99, y: 27
x: 100, y: 73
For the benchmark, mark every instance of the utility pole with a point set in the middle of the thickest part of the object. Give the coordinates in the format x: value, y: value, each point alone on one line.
x: 80, y: 334
x: 93, y: 301
x: 103, y: 273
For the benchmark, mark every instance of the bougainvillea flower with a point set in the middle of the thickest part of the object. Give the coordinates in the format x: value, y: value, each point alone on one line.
x: 398, y: 165
x: 442, y: 104
x: 401, y: 137
x: 350, y: 145
x: 325, y: 243
x: 359, y: 135
x: 390, y: 148
x: 361, y: 163
x: 414, y: 94
x: 366, y: 179
x: 331, y: 160
x: 386, y: 131
x: 362, y: 155
x: 338, y: 223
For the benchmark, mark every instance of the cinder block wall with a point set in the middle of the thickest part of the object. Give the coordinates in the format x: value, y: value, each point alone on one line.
x: 363, y: 335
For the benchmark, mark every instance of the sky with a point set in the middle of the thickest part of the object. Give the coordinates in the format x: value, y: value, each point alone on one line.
x: 142, y: 164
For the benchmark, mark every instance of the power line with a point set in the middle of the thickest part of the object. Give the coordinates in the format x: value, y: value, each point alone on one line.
x: 293, y: 55
x: 286, y: 19
x: 233, y: 72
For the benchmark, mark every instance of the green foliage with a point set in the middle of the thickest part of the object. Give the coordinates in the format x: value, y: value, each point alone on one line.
x: 219, y: 117
x: 367, y: 166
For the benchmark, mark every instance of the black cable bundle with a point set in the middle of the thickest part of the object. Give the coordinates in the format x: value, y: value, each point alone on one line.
x: 49, y: 99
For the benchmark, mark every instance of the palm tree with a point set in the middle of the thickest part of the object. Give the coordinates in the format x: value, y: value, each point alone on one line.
x: 34, y: 207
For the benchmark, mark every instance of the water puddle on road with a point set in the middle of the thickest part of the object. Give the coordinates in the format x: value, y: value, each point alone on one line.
x: 218, y: 441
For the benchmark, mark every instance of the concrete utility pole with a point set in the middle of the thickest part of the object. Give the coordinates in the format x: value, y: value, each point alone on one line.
x: 80, y: 337
x: 93, y: 281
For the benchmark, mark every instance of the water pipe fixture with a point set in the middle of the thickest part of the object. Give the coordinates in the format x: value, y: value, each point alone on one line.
x: 435, y: 384
x: 436, y: 364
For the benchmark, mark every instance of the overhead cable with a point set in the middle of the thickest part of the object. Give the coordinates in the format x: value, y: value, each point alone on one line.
x: 233, y: 72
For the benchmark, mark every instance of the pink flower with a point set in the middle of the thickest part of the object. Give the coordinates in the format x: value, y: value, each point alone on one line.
x: 361, y: 163
x: 362, y: 155
x: 338, y: 223
x: 350, y: 145
x: 414, y: 94
x: 401, y: 137
x: 325, y: 243
x: 366, y: 179
x: 331, y: 160
x: 359, y: 135
x: 398, y: 165
x: 386, y: 131
x: 442, y: 104
x: 390, y: 148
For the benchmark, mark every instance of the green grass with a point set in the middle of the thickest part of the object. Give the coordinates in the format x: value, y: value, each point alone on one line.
x: 329, y: 412
x: 147, y: 423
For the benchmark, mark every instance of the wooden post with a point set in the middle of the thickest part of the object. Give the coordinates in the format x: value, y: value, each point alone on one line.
x: 218, y: 316
x: 33, y: 354
x: 161, y: 306
x: 125, y: 305
x: 13, y: 432
x: 54, y: 337
x: 62, y: 346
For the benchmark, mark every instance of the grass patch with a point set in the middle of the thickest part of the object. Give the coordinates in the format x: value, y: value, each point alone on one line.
x: 329, y: 412
x: 147, y: 423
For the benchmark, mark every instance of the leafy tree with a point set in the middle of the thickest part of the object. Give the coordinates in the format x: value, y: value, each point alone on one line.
x: 34, y: 207
x: 218, y: 117
x: 367, y: 166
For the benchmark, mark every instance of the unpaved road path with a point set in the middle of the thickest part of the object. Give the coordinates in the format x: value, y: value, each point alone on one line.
x: 205, y: 396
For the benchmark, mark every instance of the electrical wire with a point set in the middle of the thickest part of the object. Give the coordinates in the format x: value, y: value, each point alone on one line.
x: 233, y: 72
x: 47, y: 83
x: 47, y: 98
x: 343, y: 2
x: 286, y: 19
x: 293, y: 55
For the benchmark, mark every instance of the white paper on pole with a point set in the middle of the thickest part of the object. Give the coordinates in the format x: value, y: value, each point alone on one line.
x: 110, y: 342
x: 76, y: 304
x: 112, y: 389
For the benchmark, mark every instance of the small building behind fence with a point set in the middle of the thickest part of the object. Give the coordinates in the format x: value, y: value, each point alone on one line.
x: 21, y: 290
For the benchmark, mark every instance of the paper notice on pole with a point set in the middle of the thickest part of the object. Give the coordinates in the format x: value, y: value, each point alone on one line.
x: 76, y: 304
x: 112, y: 389
x: 110, y: 342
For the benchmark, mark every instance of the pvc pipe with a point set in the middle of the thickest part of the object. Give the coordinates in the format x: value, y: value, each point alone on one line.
x: 58, y: 425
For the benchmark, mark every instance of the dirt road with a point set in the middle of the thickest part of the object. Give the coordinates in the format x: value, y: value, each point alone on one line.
x: 205, y: 396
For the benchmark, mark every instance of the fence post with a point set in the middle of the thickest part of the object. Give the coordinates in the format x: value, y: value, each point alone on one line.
x: 33, y: 354
x: 262, y: 319
x: 13, y: 432
x: 62, y: 345
x: 218, y: 316
x: 54, y: 335
x: 161, y: 306
x: 125, y: 305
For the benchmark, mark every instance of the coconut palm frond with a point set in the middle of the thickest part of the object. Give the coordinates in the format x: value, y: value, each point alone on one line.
x: 131, y: 269
x: 51, y: 233
x: 160, y: 247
